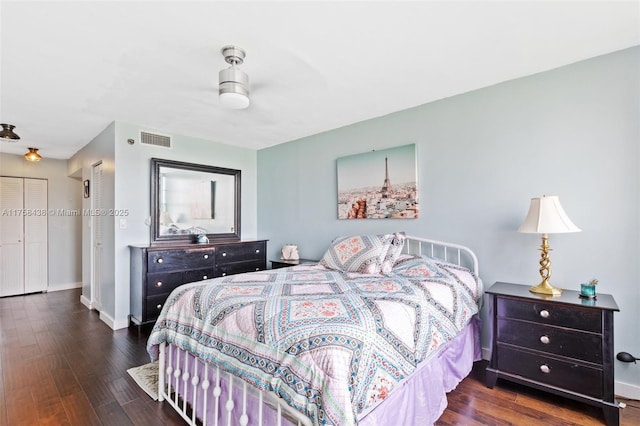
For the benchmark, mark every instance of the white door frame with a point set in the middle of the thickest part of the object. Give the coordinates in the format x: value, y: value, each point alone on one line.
x: 96, y: 230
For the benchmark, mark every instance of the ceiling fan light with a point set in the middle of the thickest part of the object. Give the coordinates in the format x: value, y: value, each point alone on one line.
x: 33, y: 155
x: 234, y: 100
x: 8, y: 134
x: 233, y: 88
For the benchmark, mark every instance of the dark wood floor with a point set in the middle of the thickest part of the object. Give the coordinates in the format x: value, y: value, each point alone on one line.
x: 61, y: 365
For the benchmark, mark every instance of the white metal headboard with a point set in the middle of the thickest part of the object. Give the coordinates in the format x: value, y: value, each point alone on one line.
x: 448, y: 252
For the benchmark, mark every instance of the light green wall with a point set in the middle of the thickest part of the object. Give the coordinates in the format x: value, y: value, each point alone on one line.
x: 572, y: 132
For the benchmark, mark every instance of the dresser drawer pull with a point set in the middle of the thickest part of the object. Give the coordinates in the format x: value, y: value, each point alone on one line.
x: 544, y: 313
x: 545, y: 339
x: 206, y: 256
x: 257, y: 250
x: 159, y: 284
x: 204, y: 277
x: 224, y: 254
x: 258, y: 268
x: 159, y: 260
x: 224, y: 274
x: 159, y: 306
x: 545, y: 368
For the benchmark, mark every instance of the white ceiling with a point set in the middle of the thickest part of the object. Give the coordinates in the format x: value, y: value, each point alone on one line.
x: 70, y: 68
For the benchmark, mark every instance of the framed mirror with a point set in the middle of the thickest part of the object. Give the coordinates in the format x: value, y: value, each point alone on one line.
x: 189, y: 200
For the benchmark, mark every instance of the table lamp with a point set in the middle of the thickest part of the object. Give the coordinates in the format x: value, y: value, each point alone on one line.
x: 546, y: 216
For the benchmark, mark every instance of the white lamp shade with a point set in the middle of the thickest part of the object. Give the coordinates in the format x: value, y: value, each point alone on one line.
x: 546, y: 216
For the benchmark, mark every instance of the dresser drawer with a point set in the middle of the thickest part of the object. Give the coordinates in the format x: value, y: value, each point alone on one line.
x: 560, y: 341
x: 198, y: 275
x: 550, y: 313
x: 239, y: 252
x: 175, y: 259
x: 163, y: 282
x: 239, y: 267
x: 551, y: 371
x: 154, y: 306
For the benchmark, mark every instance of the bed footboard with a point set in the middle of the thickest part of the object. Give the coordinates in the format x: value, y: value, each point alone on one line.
x: 205, y: 395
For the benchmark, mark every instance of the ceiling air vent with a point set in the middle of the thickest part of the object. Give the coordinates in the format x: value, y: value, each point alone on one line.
x: 155, y: 139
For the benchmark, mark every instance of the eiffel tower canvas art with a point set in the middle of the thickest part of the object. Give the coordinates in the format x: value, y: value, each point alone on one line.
x: 365, y: 190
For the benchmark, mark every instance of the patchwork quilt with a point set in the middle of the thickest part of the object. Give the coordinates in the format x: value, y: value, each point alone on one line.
x: 332, y: 344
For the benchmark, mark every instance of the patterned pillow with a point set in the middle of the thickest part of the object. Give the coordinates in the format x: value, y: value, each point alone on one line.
x: 359, y: 253
x: 395, y: 249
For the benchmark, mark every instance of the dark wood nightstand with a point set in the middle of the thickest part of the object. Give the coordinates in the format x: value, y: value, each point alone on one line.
x: 275, y: 264
x: 563, y: 345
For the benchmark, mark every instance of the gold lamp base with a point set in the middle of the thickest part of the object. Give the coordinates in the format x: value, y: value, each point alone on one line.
x: 545, y: 271
x: 545, y: 288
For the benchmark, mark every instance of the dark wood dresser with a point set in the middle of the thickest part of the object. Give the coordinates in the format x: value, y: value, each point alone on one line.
x: 562, y: 345
x: 157, y: 270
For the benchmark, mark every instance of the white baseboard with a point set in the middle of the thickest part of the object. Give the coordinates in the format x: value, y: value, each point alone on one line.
x: 115, y: 325
x: 486, y: 354
x: 63, y: 286
x: 627, y: 390
x: 86, y: 302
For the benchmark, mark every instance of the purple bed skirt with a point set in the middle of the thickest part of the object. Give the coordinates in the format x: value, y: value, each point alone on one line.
x: 419, y: 400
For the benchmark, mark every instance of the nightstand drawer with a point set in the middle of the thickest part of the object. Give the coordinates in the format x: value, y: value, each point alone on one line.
x: 551, y: 371
x: 560, y: 341
x: 550, y: 313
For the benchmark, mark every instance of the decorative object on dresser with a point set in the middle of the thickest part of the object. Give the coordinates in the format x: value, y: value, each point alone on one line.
x: 546, y: 216
x: 588, y: 289
x: 563, y: 345
x: 290, y: 252
x: 157, y: 270
x: 283, y: 263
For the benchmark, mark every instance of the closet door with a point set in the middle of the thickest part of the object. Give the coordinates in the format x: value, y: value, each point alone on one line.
x: 11, y: 236
x: 35, y: 236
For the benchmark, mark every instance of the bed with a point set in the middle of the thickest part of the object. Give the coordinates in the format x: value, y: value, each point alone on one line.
x: 373, y: 338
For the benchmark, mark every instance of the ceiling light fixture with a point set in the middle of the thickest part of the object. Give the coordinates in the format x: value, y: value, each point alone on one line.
x: 8, y: 134
x: 33, y: 155
x: 234, y: 83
